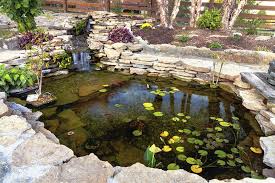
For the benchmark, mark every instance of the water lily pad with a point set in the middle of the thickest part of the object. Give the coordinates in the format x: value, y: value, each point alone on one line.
x: 176, y: 138
x: 196, y: 169
x: 219, y: 119
x: 196, y: 133
x: 103, y: 90
x: 220, y: 153
x: 199, y: 142
x: 231, y: 163
x: 230, y: 156
x: 217, y: 128
x: 147, y: 104
x: 173, y: 166
x: 209, y: 129
x: 166, y: 148
x: 118, y: 105
x: 171, y: 141
x: 137, y: 133
x: 158, y: 114
x: 180, y: 149
x: 180, y: 114
x: 225, y: 124
x: 221, y: 162
x: 164, y: 134
x: 236, y: 126
x: 191, y: 140
x: 181, y: 157
x: 203, y: 152
x: 213, y: 118
x: 239, y: 160
x: 176, y: 119
x: 184, y: 120
x: 186, y: 131
x: 235, y: 150
x: 256, y: 150
x: 105, y: 85
x: 149, y: 108
x: 191, y: 161
x: 188, y: 117
x: 181, y: 131
x: 154, y: 149
x: 246, y: 169
x: 235, y: 118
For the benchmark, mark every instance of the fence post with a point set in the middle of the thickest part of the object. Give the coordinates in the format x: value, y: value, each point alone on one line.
x: 108, y: 5
x: 65, y: 6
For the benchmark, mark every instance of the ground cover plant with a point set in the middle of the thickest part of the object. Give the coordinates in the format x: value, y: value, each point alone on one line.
x: 29, y: 39
x: 122, y: 34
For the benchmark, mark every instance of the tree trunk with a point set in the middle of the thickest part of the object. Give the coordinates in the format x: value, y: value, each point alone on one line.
x: 174, y: 13
x: 163, y: 10
x: 195, y: 12
x: 231, y: 12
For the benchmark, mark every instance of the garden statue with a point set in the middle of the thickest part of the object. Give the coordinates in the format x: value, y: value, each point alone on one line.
x: 271, y: 73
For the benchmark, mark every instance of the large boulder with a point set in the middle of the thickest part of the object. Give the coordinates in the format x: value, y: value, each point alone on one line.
x: 252, y: 100
x: 268, y: 145
x: 38, y: 150
x: 4, y: 110
x: 138, y: 173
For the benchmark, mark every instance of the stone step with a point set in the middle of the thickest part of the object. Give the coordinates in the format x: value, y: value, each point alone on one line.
x: 12, y: 57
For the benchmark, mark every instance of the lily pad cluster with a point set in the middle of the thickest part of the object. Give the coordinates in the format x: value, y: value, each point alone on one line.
x: 214, y: 146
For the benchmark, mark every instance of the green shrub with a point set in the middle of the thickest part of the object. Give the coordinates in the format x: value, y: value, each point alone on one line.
x: 251, y: 26
x: 215, y: 45
x: 80, y: 27
x: 64, y: 60
x: 210, y: 19
x: 184, y: 38
x: 15, y: 78
x: 22, y: 12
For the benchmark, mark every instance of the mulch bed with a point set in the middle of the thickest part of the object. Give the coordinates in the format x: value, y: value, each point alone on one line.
x: 202, y: 38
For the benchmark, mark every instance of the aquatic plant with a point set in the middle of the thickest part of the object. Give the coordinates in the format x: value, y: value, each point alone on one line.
x: 122, y: 34
x: 215, y: 83
x: 215, y: 146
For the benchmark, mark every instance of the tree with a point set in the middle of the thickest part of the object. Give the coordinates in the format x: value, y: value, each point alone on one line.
x: 195, y: 12
x: 231, y: 11
x: 22, y: 12
x: 167, y: 20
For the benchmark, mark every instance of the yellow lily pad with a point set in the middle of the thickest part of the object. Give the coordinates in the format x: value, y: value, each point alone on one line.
x: 164, y: 134
x: 167, y: 148
x: 176, y: 138
x: 171, y: 141
x: 256, y: 150
x: 154, y: 149
x: 147, y: 105
x: 196, y: 168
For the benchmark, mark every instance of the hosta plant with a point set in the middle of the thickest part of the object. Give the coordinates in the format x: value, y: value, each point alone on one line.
x: 122, y: 34
x: 15, y: 78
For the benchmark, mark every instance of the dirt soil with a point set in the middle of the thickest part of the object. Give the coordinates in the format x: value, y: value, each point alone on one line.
x: 202, y: 38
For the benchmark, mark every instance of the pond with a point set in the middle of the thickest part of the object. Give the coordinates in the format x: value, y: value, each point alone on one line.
x: 117, y: 117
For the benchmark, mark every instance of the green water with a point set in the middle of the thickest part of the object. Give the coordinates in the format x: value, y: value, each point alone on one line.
x: 89, y: 121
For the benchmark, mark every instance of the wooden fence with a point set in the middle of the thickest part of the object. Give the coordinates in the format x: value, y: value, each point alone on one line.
x: 82, y: 6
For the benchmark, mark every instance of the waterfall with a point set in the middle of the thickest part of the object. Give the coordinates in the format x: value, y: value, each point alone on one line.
x: 82, y: 61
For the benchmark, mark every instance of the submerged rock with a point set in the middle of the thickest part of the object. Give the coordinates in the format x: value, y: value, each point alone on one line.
x: 268, y: 145
x: 69, y: 121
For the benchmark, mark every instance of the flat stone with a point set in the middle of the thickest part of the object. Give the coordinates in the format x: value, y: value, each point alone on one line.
x: 119, y: 46
x: 10, y: 55
x: 252, y: 100
x: 142, y: 62
x: 267, y: 114
x: 135, y: 47
x: 38, y: 150
x: 184, y: 74
x: 138, y: 71
x: 268, y: 145
x: 197, y: 65
x: 86, y: 169
x: 13, y: 125
x: 93, y: 45
x: 262, y: 38
x: 112, y: 54
x: 267, y: 127
x: 146, y: 58
x: 239, y: 83
x: 4, y: 110
x: 3, y: 96
x: 228, y: 87
x: 140, y: 173
x: 124, y: 61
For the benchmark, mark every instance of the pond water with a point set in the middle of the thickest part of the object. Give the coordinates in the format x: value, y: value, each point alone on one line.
x: 117, y: 117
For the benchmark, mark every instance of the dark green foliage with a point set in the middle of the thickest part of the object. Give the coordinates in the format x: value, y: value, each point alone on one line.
x: 64, y: 60
x: 22, y: 12
x: 210, y: 19
x: 15, y: 78
x: 80, y: 27
x: 184, y: 38
x: 215, y: 45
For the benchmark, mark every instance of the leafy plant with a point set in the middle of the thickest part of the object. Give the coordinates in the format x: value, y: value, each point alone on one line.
x: 64, y: 60
x: 28, y: 39
x: 80, y: 27
x: 123, y: 35
x: 22, y: 12
x: 215, y: 45
x: 184, y: 38
x: 263, y: 48
x: 210, y: 19
x: 146, y: 26
x: 15, y: 78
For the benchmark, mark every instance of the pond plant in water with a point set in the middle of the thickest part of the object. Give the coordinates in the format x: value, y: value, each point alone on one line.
x: 215, y: 146
x: 118, y: 122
